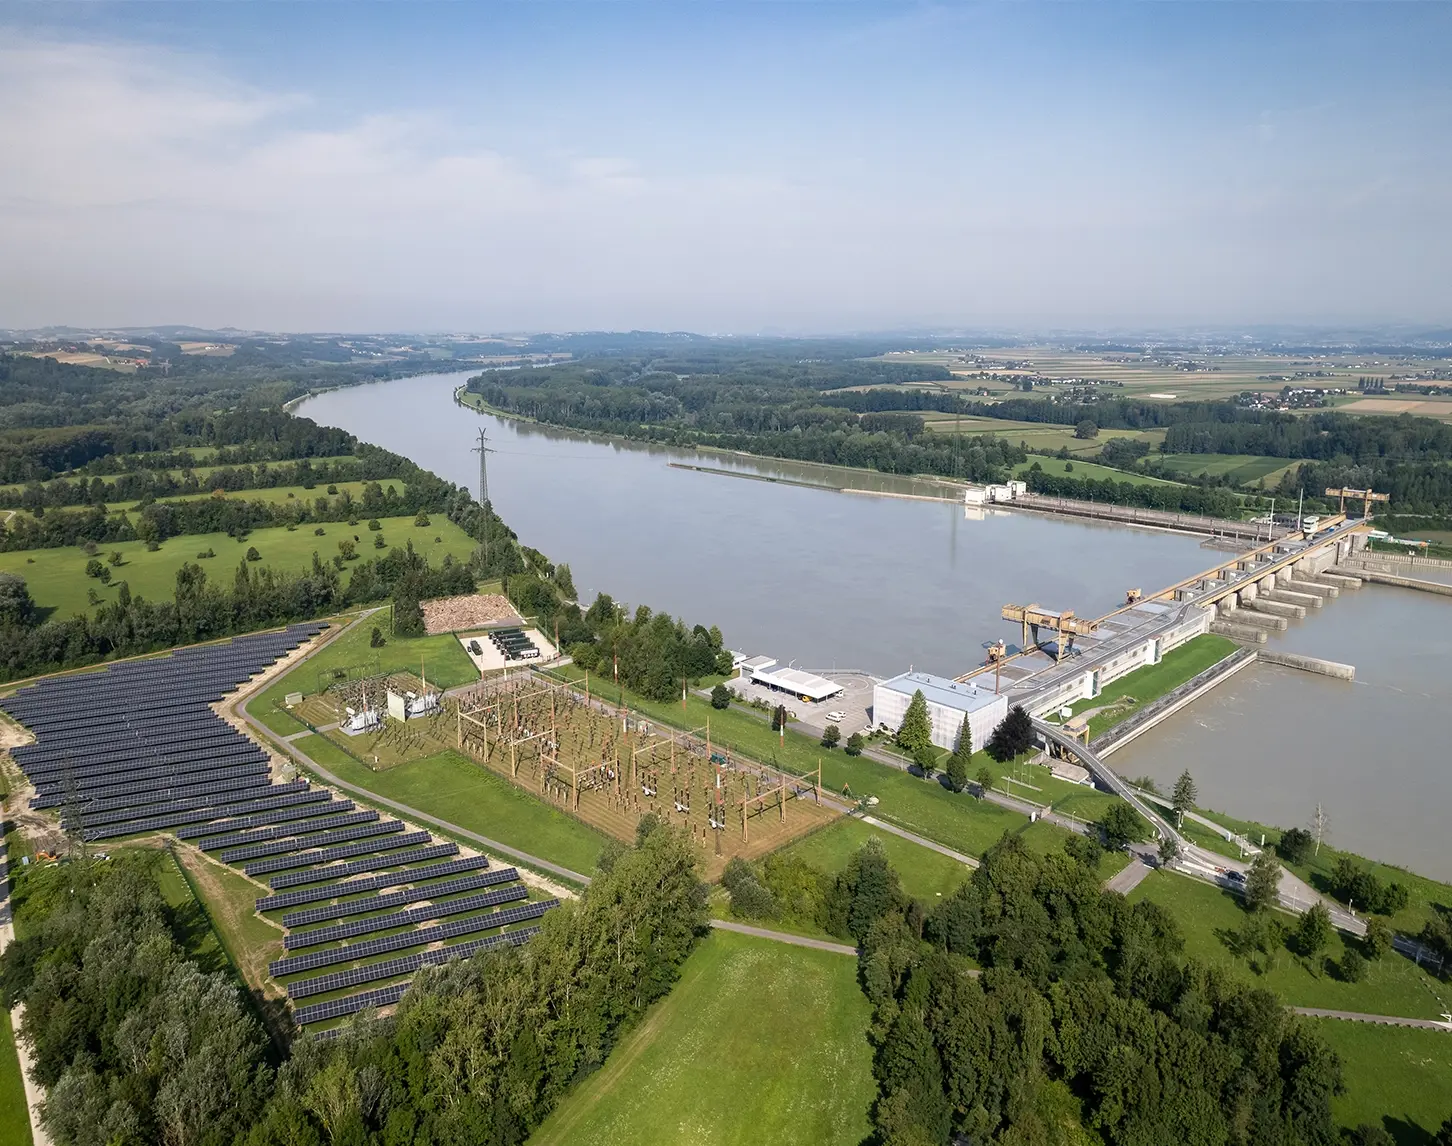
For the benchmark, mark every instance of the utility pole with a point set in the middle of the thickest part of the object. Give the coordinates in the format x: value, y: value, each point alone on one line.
x: 483, y: 449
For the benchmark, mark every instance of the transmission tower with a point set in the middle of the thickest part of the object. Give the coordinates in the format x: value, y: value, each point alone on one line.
x: 483, y: 449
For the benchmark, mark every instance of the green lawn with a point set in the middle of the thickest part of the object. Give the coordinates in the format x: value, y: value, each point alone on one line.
x: 229, y: 899
x: 1243, y: 469
x: 57, y: 577
x: 1042, y: 837
x: 758, y: 1042
x: 14, y: 1119
x: 1397, y: 1078
x: 1207, y: 915
x: 1152, y: 681
x: 923, y: 806
x: 925, y: 874
x: 441, y: 659
x: 1075, y: 468
x: 455, y: 789
x: 1425, y: 896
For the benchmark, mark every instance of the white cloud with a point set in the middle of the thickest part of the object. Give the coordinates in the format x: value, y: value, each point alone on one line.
x: 144, y: 185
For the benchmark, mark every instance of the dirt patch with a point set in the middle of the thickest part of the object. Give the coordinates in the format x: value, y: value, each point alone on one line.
x: 230, y: 916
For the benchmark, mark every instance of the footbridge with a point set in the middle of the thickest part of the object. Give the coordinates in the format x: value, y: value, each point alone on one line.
x: 1110, y: 779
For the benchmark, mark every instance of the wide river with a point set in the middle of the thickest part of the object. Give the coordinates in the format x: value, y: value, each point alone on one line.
x: 825, y: 579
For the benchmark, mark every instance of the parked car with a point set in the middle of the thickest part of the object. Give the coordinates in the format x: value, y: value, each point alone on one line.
x: 836, y: 717
x: 475, y: 649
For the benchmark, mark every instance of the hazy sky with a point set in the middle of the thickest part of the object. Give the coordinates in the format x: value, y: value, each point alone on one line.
x: 724, y: 167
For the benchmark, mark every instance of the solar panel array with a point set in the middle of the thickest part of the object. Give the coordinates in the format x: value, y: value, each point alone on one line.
x: 391, y: 968
x: 404, y: 918
x: 135, y: 747
x: 398, y: 898
x: 351, y: 1005
x: 403, y: 941
x: 372, y: 883
x: 343, y: 870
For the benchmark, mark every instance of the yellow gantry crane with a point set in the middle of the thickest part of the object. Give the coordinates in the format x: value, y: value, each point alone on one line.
x: 1365, y: 496
x: 1065, y: 624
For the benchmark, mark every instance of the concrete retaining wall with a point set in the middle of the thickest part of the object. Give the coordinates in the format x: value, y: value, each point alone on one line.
x: 1309, y: 664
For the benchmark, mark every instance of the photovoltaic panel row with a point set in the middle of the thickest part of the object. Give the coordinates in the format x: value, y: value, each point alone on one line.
x: 146, y: 811
x: 392, y: 899
x: 407, y: 965
x: 132, y: 756
x: 374, y: 882
x: 202, y: 815
x: 337, y: 1008
x: 324, y: 840
x: 262, y: 819
x: 404, y: 940
x: 278, y: 831
x: 297, y: 940
x: 173, y: 788
x: 373, y: 863
x: 140, y: 770
x: 328, y: 855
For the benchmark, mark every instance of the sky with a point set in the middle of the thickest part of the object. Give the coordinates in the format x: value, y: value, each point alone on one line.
x: 724, y: 168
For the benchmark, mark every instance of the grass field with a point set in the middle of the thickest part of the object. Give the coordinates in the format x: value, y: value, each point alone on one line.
x: 1075, y: 468
x: 1145, y: 684
x: 758, y: 1042
x: 274, y: 496
x: 203, y: 454
x: 1244, y: 469
x: 454, y: 789
x: 923, y: 806
x: 1426, y: 897
x: 1208, y: 916
x: 14, y: 1120
x: 58, y: 581
x: 441, y: 659
x: 1397, y: 1078
x: 925, y: 874
x: 1035, y: 435
x: 249, y: 941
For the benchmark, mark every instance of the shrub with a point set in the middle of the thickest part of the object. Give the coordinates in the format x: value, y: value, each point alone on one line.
x: 374, y: 524
x: 720, y: 697
x: 422, y: 519
x: 332, y: 489
x: 831, y: 736
x: 115, y: 558
x: 94, y: 568
x: 1352, y: 967
x: 319, y: 532
x: 854, y: 744
x: 252, y: 554
x: 1295, y: 845
x: 375, y: 639
x: 378, y: 542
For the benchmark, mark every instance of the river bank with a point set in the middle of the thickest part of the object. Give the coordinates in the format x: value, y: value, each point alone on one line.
x: 804, y: 573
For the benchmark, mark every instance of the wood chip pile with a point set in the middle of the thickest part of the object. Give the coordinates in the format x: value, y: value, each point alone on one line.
x: 471, y: 611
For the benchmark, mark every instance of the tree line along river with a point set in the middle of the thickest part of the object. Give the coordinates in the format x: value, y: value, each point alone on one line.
x: 802, y: 572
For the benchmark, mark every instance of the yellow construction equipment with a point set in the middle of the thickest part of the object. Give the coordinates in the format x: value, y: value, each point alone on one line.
x: 1365, y: 496
x: 1065, y: 624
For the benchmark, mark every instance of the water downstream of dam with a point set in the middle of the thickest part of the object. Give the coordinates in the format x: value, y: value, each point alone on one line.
x: 825, y: 579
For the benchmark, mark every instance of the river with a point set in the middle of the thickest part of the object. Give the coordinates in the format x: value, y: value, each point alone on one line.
x: 825, y: 579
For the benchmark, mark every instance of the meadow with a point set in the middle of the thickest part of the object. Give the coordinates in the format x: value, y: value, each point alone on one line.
x: 1398, y: 1078
x: 276, y: 495
x: 758, y: 1042
x: 1139, y: 687
x: 1069, y: 467
x: 926, y: 875
x: 1243, y: 469
x: 57, y: 577
x: 14, y: 1121
x: 1210, y: 916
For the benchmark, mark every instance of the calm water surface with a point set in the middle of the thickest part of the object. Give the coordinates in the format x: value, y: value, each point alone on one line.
x: 828, y: 579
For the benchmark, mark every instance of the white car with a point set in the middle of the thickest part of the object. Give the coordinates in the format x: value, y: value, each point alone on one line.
x: 836, y: 717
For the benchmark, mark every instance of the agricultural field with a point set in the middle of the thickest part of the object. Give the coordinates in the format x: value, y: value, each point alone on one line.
x: 1210, y: 918
x: 1398, y: 1078
x: 1063, y: 467
x: 758, y: 1042
x: 1243, y: 469
x: 1392, y: 405
x: 926, y: 874
x: 1034, y: 435
x: 58, y: 581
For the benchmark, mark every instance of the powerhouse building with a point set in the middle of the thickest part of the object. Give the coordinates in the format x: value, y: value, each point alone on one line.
x: 948, y: 703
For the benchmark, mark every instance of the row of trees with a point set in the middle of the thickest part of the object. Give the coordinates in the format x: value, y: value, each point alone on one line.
x: 139, y: 1045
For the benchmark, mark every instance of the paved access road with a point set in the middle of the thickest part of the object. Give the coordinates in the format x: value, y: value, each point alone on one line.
x: 1379, y: 1020
x: 783, y: 937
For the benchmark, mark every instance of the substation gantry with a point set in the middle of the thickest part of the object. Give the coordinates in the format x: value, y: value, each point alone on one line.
x: 1365, y: 496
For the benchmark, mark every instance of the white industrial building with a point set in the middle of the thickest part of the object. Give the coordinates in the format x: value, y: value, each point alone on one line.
x: 803, y: 685
x: 948, y: 703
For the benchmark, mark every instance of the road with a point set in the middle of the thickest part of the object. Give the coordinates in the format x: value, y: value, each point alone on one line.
x: 1379, y: 1020
x: 783, y: 937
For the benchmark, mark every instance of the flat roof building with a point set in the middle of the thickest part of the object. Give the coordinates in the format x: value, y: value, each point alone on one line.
x: 804, y: 685
x: 948, y: 703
